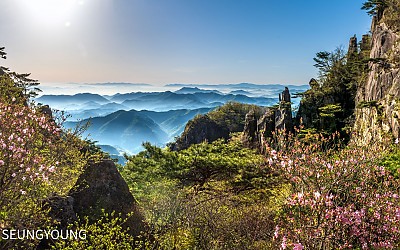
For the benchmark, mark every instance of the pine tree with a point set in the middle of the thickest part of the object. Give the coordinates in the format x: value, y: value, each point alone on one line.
x: 374, y: 7
x: 28, y: 85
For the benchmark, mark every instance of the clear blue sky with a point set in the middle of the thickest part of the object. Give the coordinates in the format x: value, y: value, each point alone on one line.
x: 171, y: 41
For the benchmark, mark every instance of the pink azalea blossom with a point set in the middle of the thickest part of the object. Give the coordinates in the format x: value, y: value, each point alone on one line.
x: 298, y: 246
x: 52, y: 169
x: 283, y: 245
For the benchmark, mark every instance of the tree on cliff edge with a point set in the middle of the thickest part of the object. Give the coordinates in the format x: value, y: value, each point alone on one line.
x: 374, y: 7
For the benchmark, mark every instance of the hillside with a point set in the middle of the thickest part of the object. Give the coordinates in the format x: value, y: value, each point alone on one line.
x: 216, y: 124
x: 129, y: 129
x: 71, y: 101
x: 52, y: 180
x: 126, y: 129
x: 173, y: 122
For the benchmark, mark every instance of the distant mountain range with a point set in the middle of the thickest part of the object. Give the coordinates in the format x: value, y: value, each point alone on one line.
x: 123, y: 121
x: 238, y: 86
x: 128, y: 129
x: 189, y: 90
x: 82, y: 106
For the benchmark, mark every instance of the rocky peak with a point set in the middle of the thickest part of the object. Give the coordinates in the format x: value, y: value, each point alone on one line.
x: 250, y: 129
x: 259, y: 130
x: 365, y: 46
x: 285, y: 96
x: 100, y: 187
x: 283, y: 115
x: 353, y: 47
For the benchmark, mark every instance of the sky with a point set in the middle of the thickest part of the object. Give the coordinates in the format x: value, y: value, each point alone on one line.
x: 174, y: 41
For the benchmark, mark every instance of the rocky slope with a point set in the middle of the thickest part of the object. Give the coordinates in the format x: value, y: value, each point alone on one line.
x: 378, y: 98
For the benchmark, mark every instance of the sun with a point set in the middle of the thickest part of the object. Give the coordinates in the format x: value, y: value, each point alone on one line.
x: 48, y: 13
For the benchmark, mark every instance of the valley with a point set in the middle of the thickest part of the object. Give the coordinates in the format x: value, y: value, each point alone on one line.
x: 121, y: 122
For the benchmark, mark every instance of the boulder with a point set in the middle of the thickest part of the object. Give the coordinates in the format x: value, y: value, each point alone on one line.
x: 101, y: 187
x: 61, y: 210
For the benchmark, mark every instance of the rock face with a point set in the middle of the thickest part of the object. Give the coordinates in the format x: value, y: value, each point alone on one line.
x: 250, y: 130
x: 99, y: 187
x: 62, y: 210
x: 102, y: 187
x: 378, y: 98
x: 201, y: 128
x: 258, y: 131
x: 353, y: 47
x: 283, y: 116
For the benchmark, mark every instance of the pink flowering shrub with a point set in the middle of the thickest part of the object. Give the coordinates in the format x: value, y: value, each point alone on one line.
x: 339, y: 199
x: 27, y: 145
x: 37, y: 160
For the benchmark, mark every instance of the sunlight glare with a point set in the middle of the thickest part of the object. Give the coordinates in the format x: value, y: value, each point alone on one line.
x: 51, y: 12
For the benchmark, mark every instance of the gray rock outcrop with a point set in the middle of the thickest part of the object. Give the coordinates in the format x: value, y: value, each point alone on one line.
x: 258, y: 131
x: 378, y: 98
x: 100, y: 187
x: 283, y: 115
x: 250, y: 131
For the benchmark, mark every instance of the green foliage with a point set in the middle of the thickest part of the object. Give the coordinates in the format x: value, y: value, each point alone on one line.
x: 37, y: 158
x: 367, y: 104
x: 26, y: 86
x: 3, y: 53
x: 326, y: 62
x: 106, y: 233
x: 387, y: 11
x: 373, y: 7
x: 328, y: 106
x: 391, y: 160
x: 9, y: 92
x: 209, y: 196
x: 232, y: 115
x: 330, y: 110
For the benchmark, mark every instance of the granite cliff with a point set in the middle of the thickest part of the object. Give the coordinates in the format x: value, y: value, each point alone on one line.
x: 378, y: 97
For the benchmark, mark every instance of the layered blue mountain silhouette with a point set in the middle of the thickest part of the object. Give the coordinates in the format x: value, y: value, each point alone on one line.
x: 122, y: 122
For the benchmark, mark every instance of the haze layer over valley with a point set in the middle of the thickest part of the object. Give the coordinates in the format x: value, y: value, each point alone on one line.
x: 121, y: 122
